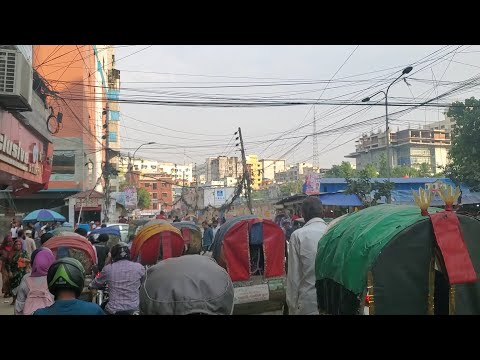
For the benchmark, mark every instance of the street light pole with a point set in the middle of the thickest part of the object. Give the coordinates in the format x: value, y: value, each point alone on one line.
x: 387, y: 128
x: 130, y: 165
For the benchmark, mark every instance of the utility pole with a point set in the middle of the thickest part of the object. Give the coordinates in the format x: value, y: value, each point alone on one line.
x: 106, y: 169
x: 246, y: 173
x: 316, y: 162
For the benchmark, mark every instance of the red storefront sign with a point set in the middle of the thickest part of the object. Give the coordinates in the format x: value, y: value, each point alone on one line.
x: 25, y: 158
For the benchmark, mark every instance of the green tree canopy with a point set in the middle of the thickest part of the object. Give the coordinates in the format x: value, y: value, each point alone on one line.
x: 143, y: 198
x: 344, y: 170
x: 465, y: 162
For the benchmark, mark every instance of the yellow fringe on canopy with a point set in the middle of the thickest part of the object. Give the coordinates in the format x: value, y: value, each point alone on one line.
x: 449, y: 196
x: 423, y: 199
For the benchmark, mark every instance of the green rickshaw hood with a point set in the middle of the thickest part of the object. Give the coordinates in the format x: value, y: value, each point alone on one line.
x: 349, y: 248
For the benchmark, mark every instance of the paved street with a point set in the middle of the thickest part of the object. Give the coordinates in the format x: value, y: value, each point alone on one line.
x: 5, y: 307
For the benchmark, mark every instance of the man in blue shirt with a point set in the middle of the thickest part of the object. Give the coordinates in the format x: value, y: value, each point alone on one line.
x: 66, y: 279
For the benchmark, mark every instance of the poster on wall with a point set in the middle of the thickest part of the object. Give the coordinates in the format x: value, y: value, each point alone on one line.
x: 219, y: 194
x: 312, y: 184
x: 130, y: 197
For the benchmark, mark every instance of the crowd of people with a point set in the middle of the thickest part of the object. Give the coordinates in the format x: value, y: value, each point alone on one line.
x: 41, y: 285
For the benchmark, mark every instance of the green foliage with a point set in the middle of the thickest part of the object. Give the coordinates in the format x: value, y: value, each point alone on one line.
x: 343, y: 170
x: 424, y: 170
x: 371, y: 170
x: 143, y: 198
x: 401, y: 171
x: 363, y: 188
x: 465, y: 162
x: 382, y: 171
x: 292, y: 187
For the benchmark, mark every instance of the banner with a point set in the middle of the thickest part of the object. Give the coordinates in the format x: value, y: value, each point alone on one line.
x: 131, y: 197
x: 219, y: 195
x: 312, y: 184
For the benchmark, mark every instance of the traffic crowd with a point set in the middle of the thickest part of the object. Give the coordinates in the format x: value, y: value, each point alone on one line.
x: 193, y: 284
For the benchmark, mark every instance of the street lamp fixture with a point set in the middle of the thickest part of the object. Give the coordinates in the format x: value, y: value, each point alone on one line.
x: 148, y: 143
x: 385, y: 93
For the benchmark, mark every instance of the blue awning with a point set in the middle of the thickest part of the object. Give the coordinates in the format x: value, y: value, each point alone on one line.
x: 340, y: 199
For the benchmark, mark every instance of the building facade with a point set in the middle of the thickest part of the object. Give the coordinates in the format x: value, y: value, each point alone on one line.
x: 270, y: 167
x: 409, y: 147
x: 160, y: 190
x: 26, y: 148
x: 255, y: 171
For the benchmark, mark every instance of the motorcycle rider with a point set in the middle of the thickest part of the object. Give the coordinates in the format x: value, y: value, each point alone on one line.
x: 66, y: 279
x: 123, y: 279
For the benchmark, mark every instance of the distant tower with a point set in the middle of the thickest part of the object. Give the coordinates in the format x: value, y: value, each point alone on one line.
x: 316, y: 162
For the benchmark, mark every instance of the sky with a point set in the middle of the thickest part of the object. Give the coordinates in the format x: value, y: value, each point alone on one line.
x: 313, y: 74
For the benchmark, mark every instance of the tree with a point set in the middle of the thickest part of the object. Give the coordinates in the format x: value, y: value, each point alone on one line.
x: 371, y: 170
x: 291, y: 187
x: 424, y: 170
x: 382, y: 170
x: 362, y: 186
x: 401, y: 171
x: 465, y: 165
x: 143, y: 197
x: 343, y: 170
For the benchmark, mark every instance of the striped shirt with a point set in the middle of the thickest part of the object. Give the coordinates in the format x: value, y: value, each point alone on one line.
x: 123, y: 279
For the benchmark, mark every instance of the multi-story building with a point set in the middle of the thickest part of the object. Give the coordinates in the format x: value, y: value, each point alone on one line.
x: 160, y: 190
x: 295, y: 172
x: 255, y: 171
x: 270, y: 167
x: 409, y: 147
x: 84, y: 81
x: 26, y: 148
x: 223, y: 166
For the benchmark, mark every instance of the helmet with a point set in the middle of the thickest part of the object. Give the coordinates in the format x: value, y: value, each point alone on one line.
x: 120, y: 251
x: 66, y: 273
x: 187, y: 285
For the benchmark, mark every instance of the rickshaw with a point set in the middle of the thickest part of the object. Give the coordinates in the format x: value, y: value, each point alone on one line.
x: 252, y: 251
x: 75, y: 246
x: 397, y: 259
x: 155, y: 242
x: 192, y: 235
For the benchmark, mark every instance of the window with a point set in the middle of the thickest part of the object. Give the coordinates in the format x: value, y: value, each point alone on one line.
x: 147, y: 185
x: 144, y: 166
x: 164, y: 195
x: 153, y: 166
x: 154, y: 195
x: 154, y: 186
x: 136, y: 167
x: 164, y: 184
x: 112, y: 136
x: 63, y: 162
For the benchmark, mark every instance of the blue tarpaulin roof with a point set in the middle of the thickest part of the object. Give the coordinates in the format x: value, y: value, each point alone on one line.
x: 340, y: 199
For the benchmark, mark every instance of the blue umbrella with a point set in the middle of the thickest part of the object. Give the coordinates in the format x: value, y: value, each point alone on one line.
x: 44, y: 215
x: 109, y: 230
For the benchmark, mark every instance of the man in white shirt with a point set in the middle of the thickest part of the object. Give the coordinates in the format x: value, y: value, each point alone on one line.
x: 301, y: 291
x: 215, y: 227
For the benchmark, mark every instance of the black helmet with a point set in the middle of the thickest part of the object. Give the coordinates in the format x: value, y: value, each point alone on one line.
x: 120, y: 251
x: 66, y: 273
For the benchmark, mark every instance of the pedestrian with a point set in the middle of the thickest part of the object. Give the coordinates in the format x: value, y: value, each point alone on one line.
x: 5, y: 249
x: 14, y: 230
x: 66, y: 279
x: 33, y: 291
x: 28, y: 243
x: 102, y: 250
x: 207, y: 237
x: 215, y: 227
x: 17, y: 263
x: 176, y: 219
x: 301, y: 292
